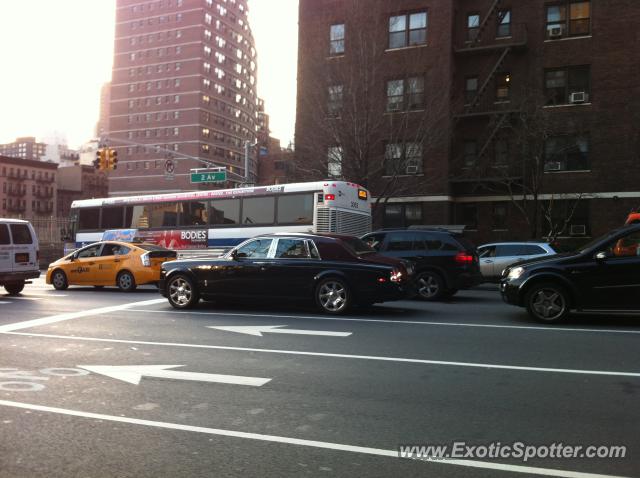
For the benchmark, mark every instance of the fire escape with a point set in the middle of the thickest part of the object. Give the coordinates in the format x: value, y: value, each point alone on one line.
x: 493, y: 44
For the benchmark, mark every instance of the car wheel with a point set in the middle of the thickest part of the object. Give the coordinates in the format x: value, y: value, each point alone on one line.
x: 430, y: 286
x: 182, y: 293
x: 547, y: 302
x: 333, y: 296
x: 15, y: 288
x: 59, y: 280
x: 126, y: 282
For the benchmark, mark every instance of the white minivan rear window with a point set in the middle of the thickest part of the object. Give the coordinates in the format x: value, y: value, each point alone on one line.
x: 21, y: 234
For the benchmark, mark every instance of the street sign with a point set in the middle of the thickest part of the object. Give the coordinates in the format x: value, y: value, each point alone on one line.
x: 169, y: 169
x: 209, y: 177
x: 275, y: 329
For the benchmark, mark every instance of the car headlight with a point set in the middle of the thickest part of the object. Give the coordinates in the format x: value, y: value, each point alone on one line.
x: 516, y: 272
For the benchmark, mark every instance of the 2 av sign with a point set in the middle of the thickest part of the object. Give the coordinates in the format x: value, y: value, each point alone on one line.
x: 209, y: 177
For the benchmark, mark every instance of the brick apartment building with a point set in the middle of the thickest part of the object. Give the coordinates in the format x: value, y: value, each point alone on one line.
x: 183, y: 90
x: 27, y: 188
x: 514, y: 118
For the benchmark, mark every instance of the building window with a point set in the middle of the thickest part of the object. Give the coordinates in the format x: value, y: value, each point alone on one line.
x: 334, y: 162
x: 501, y: 152
x: 503, y: 85
x: 504, y: 24
x: 568, y: 19
x: 406, y: 94
x: 470, y: 153
x: 206, y: 148
x: 336, y: 39
x: 566, y: 153
x: 468, y: 215
x: 402, y: 215
x: 567, y: 85
x: 470, y: 89
x: 473, y: 26
x: 408, y: 30
x: 402, y: 159
x: 499, y: 216
x: 334, y: 104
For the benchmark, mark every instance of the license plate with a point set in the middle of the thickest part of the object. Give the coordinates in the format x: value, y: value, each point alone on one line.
x: 22, y: 257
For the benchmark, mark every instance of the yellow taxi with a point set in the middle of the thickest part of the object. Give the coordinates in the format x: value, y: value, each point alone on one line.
x: 110, y: 263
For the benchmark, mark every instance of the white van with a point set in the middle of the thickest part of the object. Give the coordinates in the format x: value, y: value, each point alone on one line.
x: 19, y: 254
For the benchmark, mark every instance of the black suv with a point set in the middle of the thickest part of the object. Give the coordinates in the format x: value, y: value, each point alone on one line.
x: 444, y: 261
x: 603, y: 275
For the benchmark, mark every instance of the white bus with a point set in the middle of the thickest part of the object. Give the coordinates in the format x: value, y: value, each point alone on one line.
x: 223, y: 218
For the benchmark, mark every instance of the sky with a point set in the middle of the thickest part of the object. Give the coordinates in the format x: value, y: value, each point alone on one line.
x: 56, y: 54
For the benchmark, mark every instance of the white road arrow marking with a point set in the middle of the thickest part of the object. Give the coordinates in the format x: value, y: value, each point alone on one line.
x: 133, y: 374
x: 275, y: 329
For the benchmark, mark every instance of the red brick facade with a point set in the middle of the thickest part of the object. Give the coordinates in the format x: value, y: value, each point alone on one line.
x: 572, y: 80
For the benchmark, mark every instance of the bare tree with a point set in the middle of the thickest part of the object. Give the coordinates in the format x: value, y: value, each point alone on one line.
x: 351, y: 129
x: 523, y: 172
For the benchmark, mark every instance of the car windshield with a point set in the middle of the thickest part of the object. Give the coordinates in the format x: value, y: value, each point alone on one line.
x: 358, y: 246
x: 592, y: 243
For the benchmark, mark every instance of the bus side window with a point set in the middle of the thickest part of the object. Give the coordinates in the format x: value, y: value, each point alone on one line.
x: 224, y: 212
x: 258, y: 210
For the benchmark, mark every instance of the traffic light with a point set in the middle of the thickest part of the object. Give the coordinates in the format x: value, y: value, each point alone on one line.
x: 101, y: 159
x: 112, y: 159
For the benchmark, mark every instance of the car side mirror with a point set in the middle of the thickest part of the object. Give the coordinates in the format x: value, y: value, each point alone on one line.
x: 602, y: 256
x: 234, y: 254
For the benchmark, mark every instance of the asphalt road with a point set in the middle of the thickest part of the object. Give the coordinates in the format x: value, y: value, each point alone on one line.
x: 317, y: 396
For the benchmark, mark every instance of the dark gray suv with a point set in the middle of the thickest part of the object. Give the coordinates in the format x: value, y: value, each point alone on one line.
x: 445, y: 262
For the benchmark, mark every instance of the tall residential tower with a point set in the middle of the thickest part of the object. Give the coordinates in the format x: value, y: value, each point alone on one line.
x: 183, y: 92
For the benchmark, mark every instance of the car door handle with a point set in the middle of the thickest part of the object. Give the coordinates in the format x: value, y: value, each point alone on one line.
x: 488, y: 261
x: 116, y: 260
x: 92, y: 263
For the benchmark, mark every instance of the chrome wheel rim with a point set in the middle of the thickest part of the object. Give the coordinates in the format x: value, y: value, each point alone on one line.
x: 58, y: 279
x: 126, y: 281
x: 333, y: 296
x: 548, y: 304
x: 428, y: 286
x: 180, y: 292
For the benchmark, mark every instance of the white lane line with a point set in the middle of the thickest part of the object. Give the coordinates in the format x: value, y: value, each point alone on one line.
x: 302, y: 442
x: 345, y: 356
x: 75, y: 315
x: 390, y: 321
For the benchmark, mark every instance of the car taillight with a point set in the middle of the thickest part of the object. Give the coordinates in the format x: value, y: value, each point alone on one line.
x: 330, y: 197
x: 396, y: 275
x: 463, y: 258
x: 146, y: 261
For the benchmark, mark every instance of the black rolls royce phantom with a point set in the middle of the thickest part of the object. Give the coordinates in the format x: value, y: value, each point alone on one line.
x: 335, y: 271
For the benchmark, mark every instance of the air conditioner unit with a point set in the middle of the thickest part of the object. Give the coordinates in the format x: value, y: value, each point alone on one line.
x: 555, y: 32
x: 578, y: 230
x: 553, y: 166
x: 412, y: 169
x: 578, y: 97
